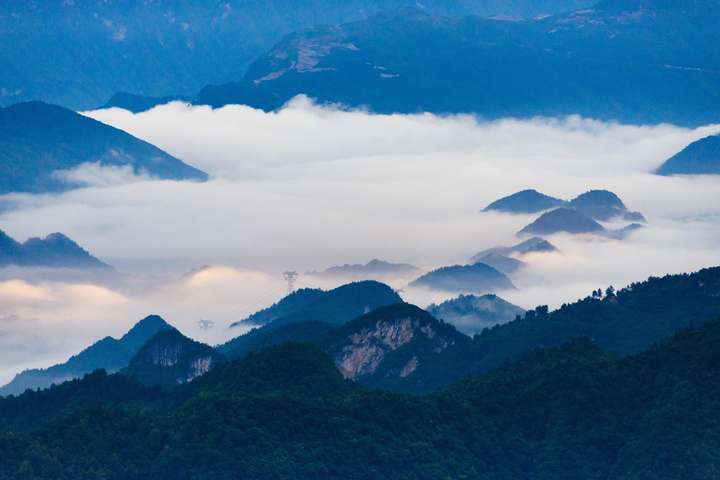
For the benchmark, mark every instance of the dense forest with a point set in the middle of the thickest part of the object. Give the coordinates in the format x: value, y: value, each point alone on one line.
x: 572, y: 411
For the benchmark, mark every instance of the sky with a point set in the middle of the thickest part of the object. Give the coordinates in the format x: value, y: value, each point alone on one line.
x: 308, y: 187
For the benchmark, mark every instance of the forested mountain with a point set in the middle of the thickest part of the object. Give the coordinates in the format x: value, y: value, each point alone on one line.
x: 109, y: 354
x: 79, y: 53
x: 634, y: 61
x: 701, y: 157
x: 307, y: 312
x: 622, y: 322
x: 38, y: 142
x: 566, y: 412
x: 56, y: 250
x: 169, y: 359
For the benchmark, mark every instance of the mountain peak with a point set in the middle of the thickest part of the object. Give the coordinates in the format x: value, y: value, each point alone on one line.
x: 567, y: 220
x: 524, y: 201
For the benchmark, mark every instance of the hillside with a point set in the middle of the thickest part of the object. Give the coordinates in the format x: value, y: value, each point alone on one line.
x: 56, y: 250
x: 562, y: 220
x: 169, y: 359
x: 633, y: 62
x: 109, y: 354
x: 80, y: 53
x: 701, y: 157
x: 38, y: 142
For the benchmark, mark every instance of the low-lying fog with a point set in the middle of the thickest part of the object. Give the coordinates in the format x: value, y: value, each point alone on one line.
x: 309, y: 187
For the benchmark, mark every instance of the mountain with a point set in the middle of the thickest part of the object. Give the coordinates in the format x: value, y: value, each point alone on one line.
x: 169, y: 359
x: 525, y: 201
x: 502, y: 263
x: 292, y: 303
x: 562, y: 220
x: 140, y: 103
x: 40, y: 142
x: 389, y: 343
x: 373, y: 269
x: 531, y: 245
x: 471, y: 314
x: 603, y: 206
x: 571, y: 411
x: 475, y: 278
x: 315, y: 310
x: 79, y: 53
x: 56, y: 251
x: 600, y: 205
x: 108, y: 354
x: 639, y: 62
x: 701, y: 157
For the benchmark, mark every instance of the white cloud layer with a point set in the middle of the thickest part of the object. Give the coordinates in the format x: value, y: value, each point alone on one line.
x: 309, y: 187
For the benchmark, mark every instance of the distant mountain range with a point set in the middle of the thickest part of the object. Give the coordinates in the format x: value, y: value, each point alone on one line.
x: 472, y: 314
x: 80, y: 53
x: 475, y: 278
x: 55, y: 251
x: 109, y: 354
x: 373, y: 270
x: 531, y: 245
x: 39, y: 142
x: 569, y: 220
x: 701, y: 157
x: 139, y: 103
x: 600, y: 205
x: 633, y: 61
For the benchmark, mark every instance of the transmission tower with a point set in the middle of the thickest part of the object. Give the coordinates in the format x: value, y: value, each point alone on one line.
x: 290, y: 277
x: 206, y: 324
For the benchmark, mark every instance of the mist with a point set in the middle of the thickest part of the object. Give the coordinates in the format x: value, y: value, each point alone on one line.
x: 309, y: 187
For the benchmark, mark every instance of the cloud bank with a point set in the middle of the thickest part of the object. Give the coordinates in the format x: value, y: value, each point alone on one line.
x: 307, y: 187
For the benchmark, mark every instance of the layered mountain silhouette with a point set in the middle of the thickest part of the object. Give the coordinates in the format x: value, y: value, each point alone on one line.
x: 474, y: 278
x: 40, y: 143
x: 701, y: 157
x: 472, y: 314
x: 373, y: 269
x: 108, y: 354
x: 531, y: 245
x: 80, y: 53
x: 600, y: 205
x: 633, y: 61
x: 55, y: 251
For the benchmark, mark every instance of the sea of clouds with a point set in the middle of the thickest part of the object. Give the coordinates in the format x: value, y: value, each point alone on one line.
x: 308, y: 187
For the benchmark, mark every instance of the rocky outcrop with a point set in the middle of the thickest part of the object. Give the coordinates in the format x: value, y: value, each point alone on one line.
x: 169, y: 359
x: 390, y: 343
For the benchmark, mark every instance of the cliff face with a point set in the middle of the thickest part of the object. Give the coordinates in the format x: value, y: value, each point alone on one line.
x: 390, y: 343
